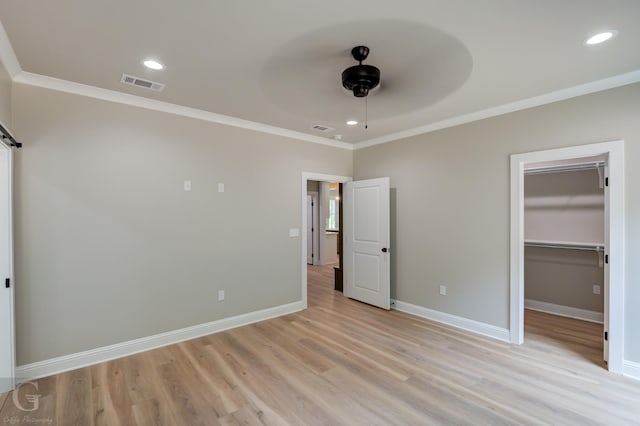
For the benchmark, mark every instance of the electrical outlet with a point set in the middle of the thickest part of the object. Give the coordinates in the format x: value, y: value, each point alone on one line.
x: 220, y: 295
x: 187, y: 185
x: 596, y: 289
x: 443, y: 290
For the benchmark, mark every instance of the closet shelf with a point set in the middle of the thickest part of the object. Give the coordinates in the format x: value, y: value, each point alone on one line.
x: 590, y: 165
x: 599, y: 247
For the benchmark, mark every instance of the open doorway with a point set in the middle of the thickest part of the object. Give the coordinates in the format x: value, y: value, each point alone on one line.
x: 564, y: 249
x: 328, y: 236
x: 324, y: 239
x: 609, y: 158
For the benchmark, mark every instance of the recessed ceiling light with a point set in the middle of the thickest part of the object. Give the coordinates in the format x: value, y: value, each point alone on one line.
x: 601, y: 37
x: 154, y: 65
x: 352, y: 122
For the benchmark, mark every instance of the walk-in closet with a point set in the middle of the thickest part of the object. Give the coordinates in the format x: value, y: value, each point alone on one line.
x: 564, y: 216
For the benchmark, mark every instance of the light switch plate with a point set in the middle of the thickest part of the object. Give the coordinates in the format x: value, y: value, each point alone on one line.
x: 294, y: 232
x: 220, y: 295
x: 443, y: 290
x: 187, y: 185
x: 221, y: 187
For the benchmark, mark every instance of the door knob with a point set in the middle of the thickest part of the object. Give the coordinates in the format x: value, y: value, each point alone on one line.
x: 384, y: 249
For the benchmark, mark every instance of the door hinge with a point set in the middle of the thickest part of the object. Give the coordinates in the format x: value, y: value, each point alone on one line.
x: 606, y: 181
x: 606, y: 259
x: 7, y: 282
x: 606, y: 335
x: 312, y: 229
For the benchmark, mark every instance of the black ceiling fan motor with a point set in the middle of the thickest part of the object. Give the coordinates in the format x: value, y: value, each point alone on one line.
x: 360, y: 79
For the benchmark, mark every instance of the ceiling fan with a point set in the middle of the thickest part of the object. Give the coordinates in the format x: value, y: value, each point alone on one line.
x: 360, y: 79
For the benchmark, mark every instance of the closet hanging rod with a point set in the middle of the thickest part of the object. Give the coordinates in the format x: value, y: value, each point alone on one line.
x: 567, y: 168
x: 6, y: 136
x: 565, y: 245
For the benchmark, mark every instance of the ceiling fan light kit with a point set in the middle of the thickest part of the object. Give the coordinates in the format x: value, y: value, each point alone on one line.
x: 360, y: 79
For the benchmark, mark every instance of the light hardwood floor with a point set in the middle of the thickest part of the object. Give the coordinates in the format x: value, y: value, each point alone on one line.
x: 344, y: 362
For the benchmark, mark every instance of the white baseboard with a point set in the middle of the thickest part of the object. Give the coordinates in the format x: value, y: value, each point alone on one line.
x: 631, y: 369
x: 106, y: 353
x: 453, y: 320
x: 564, y: 311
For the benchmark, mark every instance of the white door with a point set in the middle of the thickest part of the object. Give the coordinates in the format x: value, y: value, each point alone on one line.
x: 366, y: 241
x: 7, y: 357
x: 606, y: 264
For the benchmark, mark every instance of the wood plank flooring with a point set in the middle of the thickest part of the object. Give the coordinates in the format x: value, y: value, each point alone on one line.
x: 344, y: 362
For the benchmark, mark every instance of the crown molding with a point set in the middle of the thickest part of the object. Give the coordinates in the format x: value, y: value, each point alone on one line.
x: 156, y: 105
x: 559, y: 95
x: 7, y: 55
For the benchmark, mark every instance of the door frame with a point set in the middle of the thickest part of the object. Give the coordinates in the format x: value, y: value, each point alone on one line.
x: 7, y: 191
x: 614, y: 246
x: 303, y: 201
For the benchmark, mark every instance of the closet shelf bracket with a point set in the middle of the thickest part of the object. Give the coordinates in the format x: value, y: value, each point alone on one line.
x: 601, y: 176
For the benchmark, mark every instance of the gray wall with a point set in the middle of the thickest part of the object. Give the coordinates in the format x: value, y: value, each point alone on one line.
x: 108, y: 245
x: 5, y: 97
x: 565, y: 206
x: 313, y: 186
x: 452, y: 201
x: 563, y: 277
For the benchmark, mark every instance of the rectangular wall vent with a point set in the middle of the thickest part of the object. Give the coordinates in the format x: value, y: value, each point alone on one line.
x: 141, y: 82
x: 321, y: 128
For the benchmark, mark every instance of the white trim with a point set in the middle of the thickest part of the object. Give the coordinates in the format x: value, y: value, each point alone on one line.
x: 477, y: 327
x: 156, y: 105
x: 106, y: 353
x: 559, y: 95
x: 7, y: 54
x: 564, y: 311
x: 615, y: 246
x: 303, y: 200
x: 631, y: 369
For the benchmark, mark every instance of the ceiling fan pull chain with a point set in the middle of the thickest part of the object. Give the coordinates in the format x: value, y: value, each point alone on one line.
x: 366, y: 113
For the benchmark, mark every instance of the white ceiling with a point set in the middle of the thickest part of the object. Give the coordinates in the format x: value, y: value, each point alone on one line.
x: 279, y: 62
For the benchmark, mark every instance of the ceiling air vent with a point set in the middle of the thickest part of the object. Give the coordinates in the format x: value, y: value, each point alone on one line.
x: 321, y: 128
x: 141, y: 82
